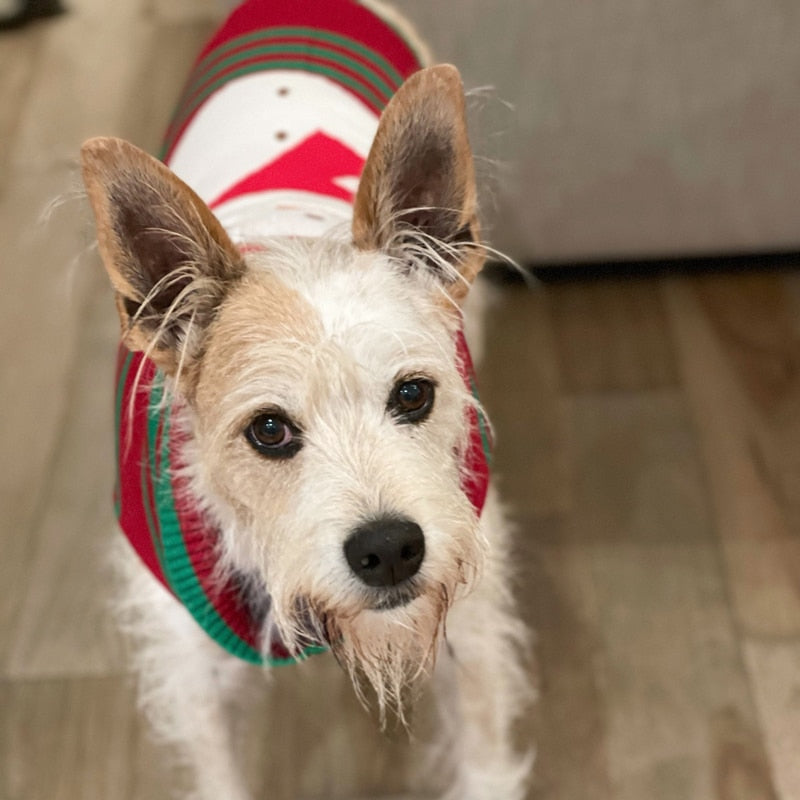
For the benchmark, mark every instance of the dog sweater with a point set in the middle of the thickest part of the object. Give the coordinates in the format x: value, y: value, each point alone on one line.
x: 272, y: 131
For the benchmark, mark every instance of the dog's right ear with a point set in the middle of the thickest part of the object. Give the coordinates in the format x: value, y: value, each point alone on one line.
x: 418, y: 183
x: 168, y: 258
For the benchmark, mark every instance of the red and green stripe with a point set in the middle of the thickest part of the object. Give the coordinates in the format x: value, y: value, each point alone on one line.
x: 363, y: 71
x: 162, y: 521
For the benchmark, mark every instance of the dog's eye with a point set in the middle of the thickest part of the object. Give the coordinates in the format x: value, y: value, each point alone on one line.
x: 412, y: 400
x: 271, y: 434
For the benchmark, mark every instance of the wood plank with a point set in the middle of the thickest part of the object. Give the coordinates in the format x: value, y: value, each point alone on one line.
x: 569, y: 725
x: 756, y: 325
x: 519, y: 384
x: 790, y: 281
x: 775, y: 672
x: 762, y: 554
x: 62, y: 626
x: 635, y: 470
x: 44, y: 292
x: 313, y: 756
x: 71, y: 739
x: 77, y: 87
x: 64, y: 740
x: 611, y: 336
x: 741, y: 766
x: 672, y: 671
x: 668, y: 658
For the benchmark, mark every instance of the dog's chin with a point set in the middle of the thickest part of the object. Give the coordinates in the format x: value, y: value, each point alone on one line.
x: 386, y: 639
x: 391, y: 645
x: 394, y: 598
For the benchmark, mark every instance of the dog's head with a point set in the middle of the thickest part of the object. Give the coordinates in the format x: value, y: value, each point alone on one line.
x: 320, y: 380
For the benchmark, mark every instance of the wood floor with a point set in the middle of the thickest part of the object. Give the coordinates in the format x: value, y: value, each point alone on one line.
x: 649, y: 448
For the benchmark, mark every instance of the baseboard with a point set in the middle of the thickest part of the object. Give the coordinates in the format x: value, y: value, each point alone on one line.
x: 558, y: 271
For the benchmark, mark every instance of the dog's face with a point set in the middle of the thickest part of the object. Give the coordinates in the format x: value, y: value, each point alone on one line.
x: 319, y: 380
x: 329, y: 410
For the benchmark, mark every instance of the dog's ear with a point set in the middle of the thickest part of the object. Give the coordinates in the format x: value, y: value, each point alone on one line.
x: 166, y: 254
x: 417, y: 190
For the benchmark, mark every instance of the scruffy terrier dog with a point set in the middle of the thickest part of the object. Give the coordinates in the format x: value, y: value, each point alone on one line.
x: 302, y: 457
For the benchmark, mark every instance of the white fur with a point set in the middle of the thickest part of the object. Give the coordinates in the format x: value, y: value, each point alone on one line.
x: 377, y: 325
x: 325, y: 331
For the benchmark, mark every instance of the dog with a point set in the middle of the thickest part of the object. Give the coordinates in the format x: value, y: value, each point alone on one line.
x: 302, y: 458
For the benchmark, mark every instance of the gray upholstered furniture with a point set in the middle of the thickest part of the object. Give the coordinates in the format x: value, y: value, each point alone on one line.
x: 639, y: 128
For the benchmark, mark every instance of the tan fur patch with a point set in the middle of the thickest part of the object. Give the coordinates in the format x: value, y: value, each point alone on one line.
x: 259, y: 310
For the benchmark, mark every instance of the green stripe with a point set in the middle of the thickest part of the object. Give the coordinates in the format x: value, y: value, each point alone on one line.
x: 485, y: 442
x: 305, y: 33
x: 189, y: 101
x: 371, y: 77
x: 168, y: 542
x: 482, y: 426
x: 151, y: 471
x: 123, y: 377
x: 152, y: 523
x: 253, y: 68
x: 165, y: 532
x: 178, y: 568
x: 311, y: 650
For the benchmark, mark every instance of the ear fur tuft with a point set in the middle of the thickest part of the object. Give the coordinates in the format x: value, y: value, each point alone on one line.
x: 168, y: 258
x: 418, y: 184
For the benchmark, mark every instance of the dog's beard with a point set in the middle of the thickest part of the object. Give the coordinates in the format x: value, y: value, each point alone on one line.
x: 387, y: 653
x: 391, y: 652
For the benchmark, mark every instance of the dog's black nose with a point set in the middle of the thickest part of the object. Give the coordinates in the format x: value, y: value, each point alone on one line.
x: 385, y: 551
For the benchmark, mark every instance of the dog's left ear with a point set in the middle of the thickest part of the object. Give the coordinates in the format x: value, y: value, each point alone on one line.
x: 417, y: 191
x: 168, y: 258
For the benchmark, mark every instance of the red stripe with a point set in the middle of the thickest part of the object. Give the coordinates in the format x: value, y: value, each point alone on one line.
x: 369, y: 89
x: 173, y: 135
x: 132, y: 451
x: 268, y: 40
x: 475, y: 478
x: 343, y: 17
x: 475, y: 481
x: 200, y: 540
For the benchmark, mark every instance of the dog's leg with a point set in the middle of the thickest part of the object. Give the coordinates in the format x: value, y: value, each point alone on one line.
x: 483, y: 686
x: 187, y: 684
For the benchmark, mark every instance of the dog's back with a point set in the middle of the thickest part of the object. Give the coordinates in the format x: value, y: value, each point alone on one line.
x: 280, y: 109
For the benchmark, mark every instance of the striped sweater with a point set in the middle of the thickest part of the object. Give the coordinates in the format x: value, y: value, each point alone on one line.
x: 272, y: 131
